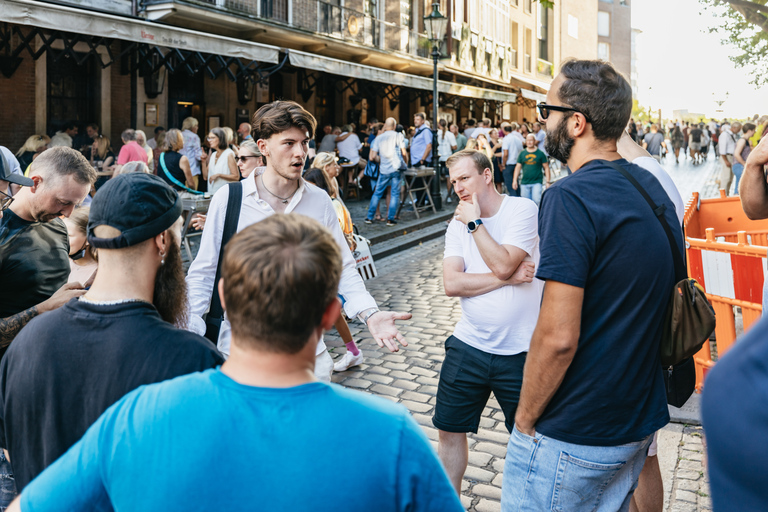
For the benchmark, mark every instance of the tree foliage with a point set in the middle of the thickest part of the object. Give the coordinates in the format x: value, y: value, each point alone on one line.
x: 744, y: 26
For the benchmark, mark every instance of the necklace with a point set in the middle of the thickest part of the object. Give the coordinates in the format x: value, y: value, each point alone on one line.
x: 283, y: 199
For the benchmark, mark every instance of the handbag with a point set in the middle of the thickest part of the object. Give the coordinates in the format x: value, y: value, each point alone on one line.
x: 371, y: 170
x: 689, y: 319
x: 216, y: 313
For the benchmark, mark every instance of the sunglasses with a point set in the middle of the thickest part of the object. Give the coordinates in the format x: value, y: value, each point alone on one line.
x: 244, y: 158
x: 5, y: 201
x: 544, y: 111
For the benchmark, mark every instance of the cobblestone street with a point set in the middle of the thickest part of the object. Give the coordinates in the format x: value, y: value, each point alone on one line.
x: 411, y: 281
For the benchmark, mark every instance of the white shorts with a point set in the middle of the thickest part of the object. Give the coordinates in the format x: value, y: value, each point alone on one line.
x: 695, y: 146
x: 323, y: 366
x: 654, y: 448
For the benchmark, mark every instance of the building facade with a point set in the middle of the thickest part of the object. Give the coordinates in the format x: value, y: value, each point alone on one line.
x: 614, y: 30
x: 148, y: 63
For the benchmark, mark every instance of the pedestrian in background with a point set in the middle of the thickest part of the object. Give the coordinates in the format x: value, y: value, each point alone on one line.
x: 33, y: 146
x: 741, y: 152
x: 192, y: 150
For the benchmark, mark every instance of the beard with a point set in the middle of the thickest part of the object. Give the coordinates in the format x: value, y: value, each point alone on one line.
x: 170, y: 295
x: 558, y: 143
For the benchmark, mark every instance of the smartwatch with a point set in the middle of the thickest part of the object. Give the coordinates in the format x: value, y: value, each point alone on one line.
x: 473, y: 225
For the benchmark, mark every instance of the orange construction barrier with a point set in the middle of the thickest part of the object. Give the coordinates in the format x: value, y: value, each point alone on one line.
x: 727, y: 255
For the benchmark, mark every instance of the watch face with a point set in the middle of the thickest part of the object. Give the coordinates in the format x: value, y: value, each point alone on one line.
x: 471, y: 225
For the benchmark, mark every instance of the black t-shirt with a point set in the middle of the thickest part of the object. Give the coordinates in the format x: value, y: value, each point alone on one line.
x: 34, y: 262
x: 25, y: 159
x: 66, y: 367
x: 598, y: 233
x: 695, y: 135
x: 171, y: 160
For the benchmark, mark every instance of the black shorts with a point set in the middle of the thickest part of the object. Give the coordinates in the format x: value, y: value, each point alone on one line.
x: 467, y: 378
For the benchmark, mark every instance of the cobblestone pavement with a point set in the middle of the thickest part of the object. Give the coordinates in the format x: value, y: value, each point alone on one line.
x: 411, y: 281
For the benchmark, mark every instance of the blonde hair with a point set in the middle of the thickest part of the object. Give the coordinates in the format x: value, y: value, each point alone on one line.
x: 230, y: 134
x: 189, y: 123
x: 173, y: 140
x: 143, y: 135
x: 79, y: 218
x: 33, y: 144
x: 104, y: 146
x: 322, y: 161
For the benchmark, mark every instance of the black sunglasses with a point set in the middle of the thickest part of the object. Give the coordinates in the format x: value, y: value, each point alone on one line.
x: 544, y: 111
x: 244, y: 158
x: 5, y: 200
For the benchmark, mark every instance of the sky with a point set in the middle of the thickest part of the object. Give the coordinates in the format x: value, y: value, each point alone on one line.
x: 680, y: 64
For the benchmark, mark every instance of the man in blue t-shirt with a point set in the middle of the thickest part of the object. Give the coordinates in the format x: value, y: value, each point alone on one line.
x: 593, y: 392
x: 254, y: 434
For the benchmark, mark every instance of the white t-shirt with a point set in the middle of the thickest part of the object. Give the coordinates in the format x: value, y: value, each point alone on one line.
x: 349, y: 148
x: 541, y: 136
x: 513, y: 145
x: 484, y: 131
x: 502, y: 321
x: 387, y: 147
x: 445, y: 144
x: 651, y: 165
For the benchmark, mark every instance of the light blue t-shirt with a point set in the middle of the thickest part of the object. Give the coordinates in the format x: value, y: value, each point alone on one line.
x: 387, y: 147
x: 206, y: 442
x: 421, y: 140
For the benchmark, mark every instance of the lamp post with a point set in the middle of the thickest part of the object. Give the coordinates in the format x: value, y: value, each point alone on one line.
x: 435, y: 24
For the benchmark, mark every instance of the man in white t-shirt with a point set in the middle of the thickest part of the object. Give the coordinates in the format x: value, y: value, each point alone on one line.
x: 484, y: 128
x: 540, y: 135
x: 349, y: 147
x: 511, y: 146
x: 491, y: 249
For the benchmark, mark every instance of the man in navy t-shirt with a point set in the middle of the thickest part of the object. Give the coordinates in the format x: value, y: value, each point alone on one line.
x: 254, y: 434
x: 593, y: 392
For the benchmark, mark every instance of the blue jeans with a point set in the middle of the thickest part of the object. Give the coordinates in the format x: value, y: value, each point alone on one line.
x: 508, y: 173
x: 738, y: 170
x: 385, y: 180
x: 541, y: 473
x: 532, y: 192
x: 7, y: 482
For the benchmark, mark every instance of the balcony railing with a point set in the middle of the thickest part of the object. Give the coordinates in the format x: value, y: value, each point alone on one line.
x: 544, y: 68
x: 326, y: 18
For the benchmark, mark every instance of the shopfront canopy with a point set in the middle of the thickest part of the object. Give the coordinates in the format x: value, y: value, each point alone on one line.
x: 350, y: 69
x: 57, y: 17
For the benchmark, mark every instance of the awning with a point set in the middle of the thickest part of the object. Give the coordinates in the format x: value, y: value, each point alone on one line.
x: 57, y: 17
x: 351, y: 69
x: 535, y: 96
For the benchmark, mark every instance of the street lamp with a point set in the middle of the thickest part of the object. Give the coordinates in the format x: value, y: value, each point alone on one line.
x: 435, y: 24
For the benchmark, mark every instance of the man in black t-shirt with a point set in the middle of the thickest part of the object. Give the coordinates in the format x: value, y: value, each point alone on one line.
x: 68, y: 366
x: 34, y: 247
x: 593, y: 393
x: 694, y: 142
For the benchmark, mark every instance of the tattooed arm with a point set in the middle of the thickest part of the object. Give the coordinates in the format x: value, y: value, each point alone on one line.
x: 10, y: 326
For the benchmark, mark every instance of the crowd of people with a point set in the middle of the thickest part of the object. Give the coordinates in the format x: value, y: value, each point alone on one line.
x: 119, y: 369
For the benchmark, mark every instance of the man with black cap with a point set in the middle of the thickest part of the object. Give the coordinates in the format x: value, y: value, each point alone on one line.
x: 34, y: 246
x: 67, y: 367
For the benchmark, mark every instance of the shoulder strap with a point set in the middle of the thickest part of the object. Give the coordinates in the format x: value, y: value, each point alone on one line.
x: 174, y: 180
x: 231, y: 219
x: 680, y: 271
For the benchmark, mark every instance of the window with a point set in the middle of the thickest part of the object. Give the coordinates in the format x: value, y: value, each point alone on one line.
x: 607, y: 1
x: 515, y: 43
x: 604, y: 51
x: 573, y: 26
x: 604, y: 24
x: 528, y: 6
x: 528, y: 49
x: 542, y: 32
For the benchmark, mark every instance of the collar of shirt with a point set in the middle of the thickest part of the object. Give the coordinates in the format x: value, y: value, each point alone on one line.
x: 251, y: 192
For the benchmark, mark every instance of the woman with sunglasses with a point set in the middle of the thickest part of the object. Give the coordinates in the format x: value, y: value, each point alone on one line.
x: 219, y: 168
x: 82, y: 257
x: 249, y: 158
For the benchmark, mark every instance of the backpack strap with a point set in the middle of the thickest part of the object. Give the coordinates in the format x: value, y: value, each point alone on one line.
x: 216, y: 312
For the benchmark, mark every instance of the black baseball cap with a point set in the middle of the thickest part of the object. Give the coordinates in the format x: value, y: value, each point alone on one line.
x: 140, y: 205
x: 7, y: 174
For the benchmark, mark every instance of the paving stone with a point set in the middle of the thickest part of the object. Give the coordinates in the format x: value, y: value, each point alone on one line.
x: 688, y: 485
x: 682, y: 495
x: 381, y: 389
x: 429, y: 390
x: 405, y: 384
x: 487, y: 491
x: 379, y: 370
x: 381, y: 379
x: 691, y: 455
x: 682, y: 506
x: 466, y: 501
x: 498, y: 465
x: 487, y: 423
x: 416, y: 406
x: 691, y: 465
x: 479, y: 459
x: 497, y: 480
x: 396, y: 366
x: 357, y: 383
x: 479, y: 474
x: 422, y: 419
x: 489, y: 435
x: 429, y: 381
x: 492, y: 448
x: 399, y: 374
x: 485, y: 505
x: 416, y: 397
x: 423, y: 371
x: 688, y: 475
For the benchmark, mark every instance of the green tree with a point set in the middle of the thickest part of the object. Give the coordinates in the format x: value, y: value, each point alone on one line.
x: 745, y: 26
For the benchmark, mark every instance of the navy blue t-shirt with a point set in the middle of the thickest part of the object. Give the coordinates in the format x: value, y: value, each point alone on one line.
x: 598, y: 233
x: 735, y: 414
